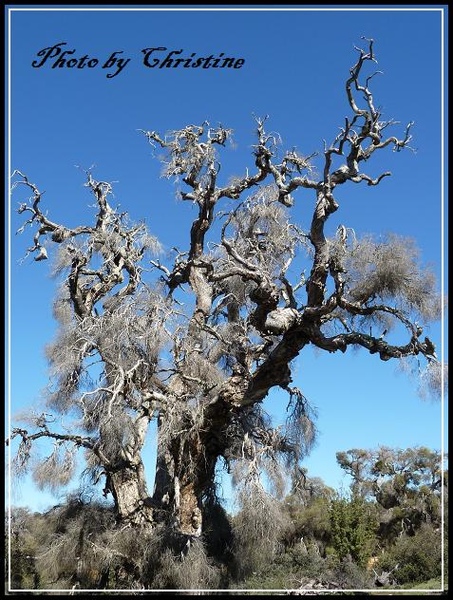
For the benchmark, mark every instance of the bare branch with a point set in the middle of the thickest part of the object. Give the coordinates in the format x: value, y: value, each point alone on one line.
x: 196, y: 340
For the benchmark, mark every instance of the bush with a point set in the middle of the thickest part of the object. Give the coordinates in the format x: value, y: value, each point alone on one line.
x: 187, y: 572
x: 418, y: 557
x: 258, y: 530
x: 353, y: 527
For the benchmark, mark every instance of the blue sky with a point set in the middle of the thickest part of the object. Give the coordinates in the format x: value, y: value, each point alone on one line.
x: 66, y: 120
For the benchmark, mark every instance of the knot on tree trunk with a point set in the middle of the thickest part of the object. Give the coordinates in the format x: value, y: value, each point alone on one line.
x: 280, y: 320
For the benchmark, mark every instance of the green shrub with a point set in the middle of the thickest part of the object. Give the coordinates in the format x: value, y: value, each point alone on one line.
x: 418, y: 557
x: 353, y: 526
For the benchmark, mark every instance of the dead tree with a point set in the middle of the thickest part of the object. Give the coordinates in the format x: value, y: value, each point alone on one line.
x: 200, y: 347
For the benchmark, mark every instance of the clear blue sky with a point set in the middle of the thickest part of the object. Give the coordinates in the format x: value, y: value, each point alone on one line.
x: 296, y: 63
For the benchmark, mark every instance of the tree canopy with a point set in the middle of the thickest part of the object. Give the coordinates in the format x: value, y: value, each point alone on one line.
x: 195, y: 341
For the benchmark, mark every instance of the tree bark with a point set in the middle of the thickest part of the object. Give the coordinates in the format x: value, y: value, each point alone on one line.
x: 183, y: 475
x: 127, y: 485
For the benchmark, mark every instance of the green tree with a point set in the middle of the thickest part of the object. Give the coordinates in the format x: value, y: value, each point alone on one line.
x: 353, y: 529
x: 308, y: 510
x: 407, y: 484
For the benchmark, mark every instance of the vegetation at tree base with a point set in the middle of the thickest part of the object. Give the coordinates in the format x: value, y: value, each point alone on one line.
x: 312, y: 538
x: 192, y: 349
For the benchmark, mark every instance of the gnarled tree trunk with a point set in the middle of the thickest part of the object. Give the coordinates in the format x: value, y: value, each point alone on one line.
x: 185, y: 473
x: 127, y: 484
